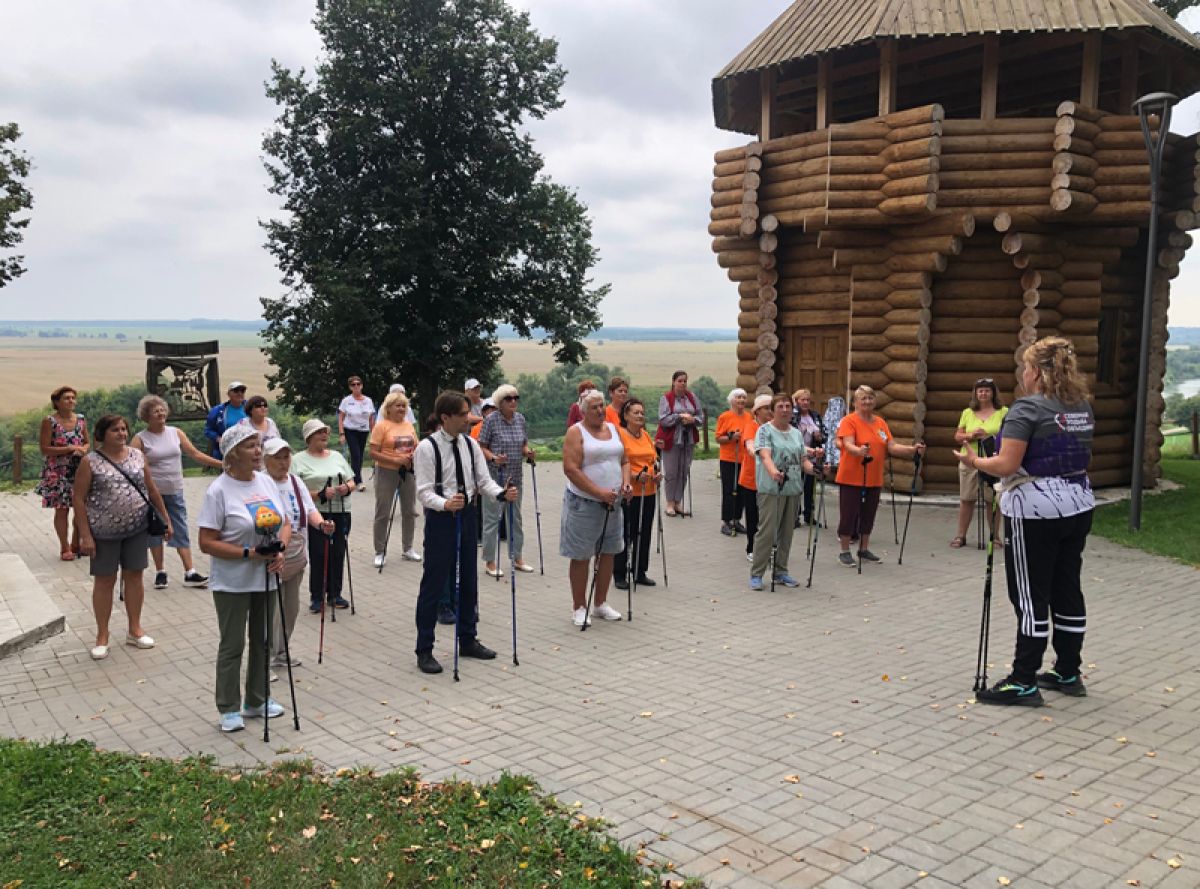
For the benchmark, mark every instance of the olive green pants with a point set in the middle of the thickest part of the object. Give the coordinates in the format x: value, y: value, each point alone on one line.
x: 236, y: 612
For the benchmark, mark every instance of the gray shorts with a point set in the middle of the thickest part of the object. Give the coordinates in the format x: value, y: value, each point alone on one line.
x: 177, y: 513
x: 581, y: 526
x: 128, y: 554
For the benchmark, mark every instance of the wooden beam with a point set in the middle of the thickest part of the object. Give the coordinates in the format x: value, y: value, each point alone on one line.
x: 991, y: 77
x: 887, y: 76
x: 1129, y: 77
x: 824, y: 91
x: 1089, y: 86
x: 767, y: 94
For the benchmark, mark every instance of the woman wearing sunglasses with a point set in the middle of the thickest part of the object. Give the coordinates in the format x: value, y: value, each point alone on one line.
x: 505, y: 445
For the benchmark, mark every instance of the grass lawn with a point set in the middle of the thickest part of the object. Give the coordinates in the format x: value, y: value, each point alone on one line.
x: 72, y: 816
x: 1170, y: 520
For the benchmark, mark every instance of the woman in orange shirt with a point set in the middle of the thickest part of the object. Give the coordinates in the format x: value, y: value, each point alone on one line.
x: 639, y: 511
x: 747, y: 487
x: 618, y: 394
x: 730, y: 426
x: 864, y: 439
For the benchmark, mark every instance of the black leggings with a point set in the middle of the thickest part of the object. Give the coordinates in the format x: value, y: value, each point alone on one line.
x: 731, y: 500
x: 749, y: 499
x: 643, y: 507
x: 337, y: 552
x: 356, y: 441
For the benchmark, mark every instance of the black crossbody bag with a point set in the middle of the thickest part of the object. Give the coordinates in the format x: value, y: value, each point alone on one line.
x: 156, y: 526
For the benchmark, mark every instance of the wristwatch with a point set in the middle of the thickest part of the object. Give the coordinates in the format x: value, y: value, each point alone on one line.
x: 245, y: 552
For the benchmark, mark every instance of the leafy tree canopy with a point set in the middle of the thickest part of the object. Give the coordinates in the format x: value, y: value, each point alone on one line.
x: 1174, y: 7
x: 417, y: 218
x: 14, y: 198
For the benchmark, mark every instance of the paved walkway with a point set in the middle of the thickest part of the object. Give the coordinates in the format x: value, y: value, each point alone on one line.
x: 821, y: 737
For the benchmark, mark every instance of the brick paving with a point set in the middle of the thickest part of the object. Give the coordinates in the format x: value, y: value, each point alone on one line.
x: 812, y: 737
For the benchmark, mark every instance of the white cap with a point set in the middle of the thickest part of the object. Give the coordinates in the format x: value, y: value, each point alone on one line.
x: 311, y: 426
x: 472, y: 383
x: 236, y: 384
x: 762, y: 401
x: 397, y: 387
x: 235, y: 435
x: 487, y: 402
x: 275, y: 445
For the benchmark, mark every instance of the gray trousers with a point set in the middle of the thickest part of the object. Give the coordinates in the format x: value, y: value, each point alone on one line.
x: 677, y: 462
x: 236, y: 611
x: 776, y: 516
x: 492, y: 510
x: 291, y: 608
x: 386, y: 483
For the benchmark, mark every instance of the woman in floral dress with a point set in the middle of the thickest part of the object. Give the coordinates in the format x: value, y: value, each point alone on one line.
x: 64, y: 441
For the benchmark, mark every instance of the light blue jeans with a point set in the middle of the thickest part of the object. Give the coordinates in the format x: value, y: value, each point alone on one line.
x: 492, y: 510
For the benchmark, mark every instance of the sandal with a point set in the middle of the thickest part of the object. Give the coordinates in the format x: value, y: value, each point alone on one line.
x: 958, y: 543
x: 671, y: 513
x: 67, y: 555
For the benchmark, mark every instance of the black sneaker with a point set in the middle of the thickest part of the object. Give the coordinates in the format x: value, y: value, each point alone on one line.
x: 160, y: 580
x: 845, y: 558
x: 727, y: 530
x: 1010, y: 693
x: 195, y: 579
x: 1052, y: 680
x: 427, y: 663
x: 620, y: 583
x: 867, y: 555
x: 474, y: 648
x: 739, y: 527
x: 446, y: 616
x: 643, y: 580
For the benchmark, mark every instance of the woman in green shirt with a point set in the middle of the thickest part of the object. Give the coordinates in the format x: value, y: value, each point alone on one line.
x: 981, y: 420
x: 330, y: 480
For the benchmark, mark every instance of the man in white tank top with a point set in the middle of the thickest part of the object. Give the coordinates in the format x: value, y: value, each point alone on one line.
x: 597, y: 480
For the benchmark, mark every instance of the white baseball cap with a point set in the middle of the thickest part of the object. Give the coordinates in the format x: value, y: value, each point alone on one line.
x: 236, y: 384
x: 397, y: 387
x: 762, y: 401
x: 275, y: 445
x: 473, y: 383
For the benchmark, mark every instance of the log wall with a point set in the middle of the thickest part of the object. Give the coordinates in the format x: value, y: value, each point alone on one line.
x: 950, y: 245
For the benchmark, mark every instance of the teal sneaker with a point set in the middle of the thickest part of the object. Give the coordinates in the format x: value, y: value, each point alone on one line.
x: 786, y: 580
x: 1055, y: 681
x: 756, y: 584
x: 1010, y: 693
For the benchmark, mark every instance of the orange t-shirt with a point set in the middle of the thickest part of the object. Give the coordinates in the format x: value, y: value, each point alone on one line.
x: 611, y: 415
x: 749, y: 460
x: 475, y: 430
x: 641, y: 454
x: 393, y: 439
x: 874, y: 433
x: 726, y: 423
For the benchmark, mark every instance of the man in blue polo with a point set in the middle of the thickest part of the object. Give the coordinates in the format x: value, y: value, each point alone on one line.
x: 225, y: 416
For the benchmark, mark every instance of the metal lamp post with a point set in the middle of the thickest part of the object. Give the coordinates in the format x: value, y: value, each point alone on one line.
x: 1159, y: 104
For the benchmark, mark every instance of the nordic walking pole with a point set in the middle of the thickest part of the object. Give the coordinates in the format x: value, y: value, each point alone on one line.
x: 862, y: 504
x: 346, y: 559
x: 985, y: 622
x: 537, y: 514
x: 662, y: 543
x: 980, y: 499
x: 512, y: 573
x: 324, y: 596
x: 783, y: 516
x: 457, y: 582
x: 498, y: 571
x: 267, y: 656
x: 820, y: 517
x: 287, y: 654
x: 391, y: 521
x: 608, y: 511
x: 892, y: 480
x: 912, y: 490
x: 332, y: 610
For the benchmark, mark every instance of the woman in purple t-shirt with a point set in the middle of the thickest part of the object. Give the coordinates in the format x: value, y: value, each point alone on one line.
x: 1047, y: 503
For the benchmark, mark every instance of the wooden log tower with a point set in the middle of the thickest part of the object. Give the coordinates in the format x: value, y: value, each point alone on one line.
x: 928, y: 191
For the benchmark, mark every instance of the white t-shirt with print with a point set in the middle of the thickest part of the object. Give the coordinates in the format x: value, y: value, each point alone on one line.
x: 236, y: 509
x: 359, y: 413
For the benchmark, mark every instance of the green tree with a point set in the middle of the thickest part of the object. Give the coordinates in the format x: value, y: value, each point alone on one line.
x: 1174, y: 7
x: 14, y: 198
x: 417, y: 217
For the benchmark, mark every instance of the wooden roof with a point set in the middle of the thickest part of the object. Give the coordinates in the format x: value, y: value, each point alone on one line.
x: 810, y: 27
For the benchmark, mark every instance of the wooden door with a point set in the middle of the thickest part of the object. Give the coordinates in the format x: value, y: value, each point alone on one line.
x: 816, y: 360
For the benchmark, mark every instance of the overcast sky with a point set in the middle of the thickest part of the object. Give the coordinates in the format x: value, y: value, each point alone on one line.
x: 144, y: 122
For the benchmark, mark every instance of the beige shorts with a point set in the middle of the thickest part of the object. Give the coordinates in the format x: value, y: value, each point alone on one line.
x: 968, y: 485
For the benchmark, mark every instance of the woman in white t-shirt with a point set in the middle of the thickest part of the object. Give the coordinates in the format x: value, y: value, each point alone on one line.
x: 356, y: 419
x: 240, y: 518
x: 301, y: 512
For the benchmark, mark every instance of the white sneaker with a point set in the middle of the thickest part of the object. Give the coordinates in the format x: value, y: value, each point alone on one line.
x: 232, y: 722
x: 579, y: 617
x: 412, y: 555
x: 606, y: 612
x: 274, y: 709
x: 380, y: 558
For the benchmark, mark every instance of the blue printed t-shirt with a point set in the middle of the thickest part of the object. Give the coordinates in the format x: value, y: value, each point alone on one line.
x: 1059, y: 438
x: 238, y: 511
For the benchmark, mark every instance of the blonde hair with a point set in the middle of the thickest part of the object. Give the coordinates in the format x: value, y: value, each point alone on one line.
x: 396, y: 397
x: 1053, y: 357
x: 800, y: 392
x: 863, y: 390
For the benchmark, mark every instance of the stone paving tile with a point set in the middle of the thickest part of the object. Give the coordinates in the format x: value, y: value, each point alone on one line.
x: 822, y: 737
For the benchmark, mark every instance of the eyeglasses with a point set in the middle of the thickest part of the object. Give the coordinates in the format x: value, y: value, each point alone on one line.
x: 988, y: 381
x: 356, y: 383
x: 511, y: 398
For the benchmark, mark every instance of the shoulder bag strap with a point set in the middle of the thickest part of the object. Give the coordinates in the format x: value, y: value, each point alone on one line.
x: 132, y: 483
x: 299, y: 502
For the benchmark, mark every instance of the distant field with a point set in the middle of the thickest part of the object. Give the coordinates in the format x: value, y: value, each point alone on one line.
x: 31, y: 367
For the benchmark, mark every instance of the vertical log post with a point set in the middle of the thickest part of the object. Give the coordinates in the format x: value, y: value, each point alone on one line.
x: 19, y: 446
x: 825, y: 91
x: 887, y: 76
x: 991, y: 77
x: 1089, y: 85
x: 767, y: 119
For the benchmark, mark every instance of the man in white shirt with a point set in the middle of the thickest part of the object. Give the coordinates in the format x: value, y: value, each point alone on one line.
x: 451, y: 472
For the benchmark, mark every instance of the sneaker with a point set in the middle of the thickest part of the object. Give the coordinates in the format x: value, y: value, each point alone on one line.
x: 739, y: 527
x: 273, y: 708
x: 314, y: 607
x: 446, y: 616
x: 643, y: 580
x: 476, y: 649
x: 787, y: 580
x: 232, y: 722
x: 380, y: 558
x: 411, y: 555
x: 756, y: 584
x: 727, y: 530
x: 749, y: 557
x: 1054, y: 681
x: 579, y: 617
x: 621, y: 583
x: 605, y: 611
x: 1010, y: 693
x: 845, y: 558
x: 282, y: 661
x: 339, y: 602
x: 195, y: 579
x: 867, y: 556
x: 427, y: 663
x: 160, y: 580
